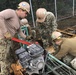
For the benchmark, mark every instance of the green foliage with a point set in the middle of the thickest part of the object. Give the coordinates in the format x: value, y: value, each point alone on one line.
x: 9, y: 4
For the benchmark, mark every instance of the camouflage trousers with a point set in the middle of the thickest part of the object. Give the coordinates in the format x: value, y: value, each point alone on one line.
x: 4, y: 57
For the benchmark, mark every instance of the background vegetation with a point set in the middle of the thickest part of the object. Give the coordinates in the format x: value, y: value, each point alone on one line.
x: 64, y: 7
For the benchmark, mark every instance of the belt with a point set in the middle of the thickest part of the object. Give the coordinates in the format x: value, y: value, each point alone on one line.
x: 3, y: 39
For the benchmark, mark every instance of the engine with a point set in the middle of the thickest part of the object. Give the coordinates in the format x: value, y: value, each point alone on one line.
x: 31, y: 58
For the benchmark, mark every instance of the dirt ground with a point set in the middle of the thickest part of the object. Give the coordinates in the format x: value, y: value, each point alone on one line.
x: 65, y: 23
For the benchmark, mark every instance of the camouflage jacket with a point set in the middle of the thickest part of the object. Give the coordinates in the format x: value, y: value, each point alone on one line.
x: 45, y: 29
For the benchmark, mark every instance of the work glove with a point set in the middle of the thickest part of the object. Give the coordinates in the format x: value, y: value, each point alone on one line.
x: 28, y: 37
x: 50, y: 49
x: 7, y: 35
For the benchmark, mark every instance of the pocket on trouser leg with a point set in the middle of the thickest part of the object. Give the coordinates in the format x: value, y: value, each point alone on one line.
x: 3, y: 68
x: 3, y: 53
x: 3, y: 60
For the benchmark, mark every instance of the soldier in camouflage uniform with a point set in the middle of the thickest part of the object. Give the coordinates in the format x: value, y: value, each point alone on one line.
x: 9, y: 26
x: 45, y: 25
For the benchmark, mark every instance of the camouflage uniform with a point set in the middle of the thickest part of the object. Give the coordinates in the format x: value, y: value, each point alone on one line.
x: 4, y: 56
x: 9, y: 26
x: 46, y: 28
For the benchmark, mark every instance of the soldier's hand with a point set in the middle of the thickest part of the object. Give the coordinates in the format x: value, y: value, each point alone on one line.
x: 7, y: 35
x: 50, y: 49
x: 28, y: 37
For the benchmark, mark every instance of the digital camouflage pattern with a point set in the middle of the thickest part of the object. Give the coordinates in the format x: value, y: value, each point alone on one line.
x: 4, y: 57
x: 45, y: 29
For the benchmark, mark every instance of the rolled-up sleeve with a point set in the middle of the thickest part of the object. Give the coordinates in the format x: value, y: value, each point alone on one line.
x: 5, y: 15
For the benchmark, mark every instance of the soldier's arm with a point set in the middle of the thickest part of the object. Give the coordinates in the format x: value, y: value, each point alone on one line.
x: 53, y: 22
x: 5, y: 15
x: 29, y: 29
x: 21, y: 33
x: 62, y: 52
x: 37, y: 29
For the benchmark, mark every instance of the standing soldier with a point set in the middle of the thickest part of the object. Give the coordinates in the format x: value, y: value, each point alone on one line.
x: 9, y: 26
x: 45, y: 24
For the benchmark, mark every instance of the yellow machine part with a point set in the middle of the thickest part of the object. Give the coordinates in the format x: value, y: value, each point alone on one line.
x: 17, y: 69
